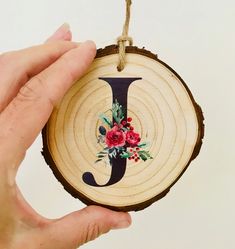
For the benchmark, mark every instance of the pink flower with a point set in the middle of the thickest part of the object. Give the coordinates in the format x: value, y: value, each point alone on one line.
x: 132, y: 138
x: 115, y: 138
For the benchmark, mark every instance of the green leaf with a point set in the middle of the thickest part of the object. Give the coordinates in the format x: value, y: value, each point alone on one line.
x: 126, y: 155
x: 148, y: 154
x: 106, y: 120
x: 144, y: 155
x: 111, y: 150
x: 113, y: 153
x: 102, y: 153
x: 120, y: 149
x: 117, y: 112
x: 143, y: 145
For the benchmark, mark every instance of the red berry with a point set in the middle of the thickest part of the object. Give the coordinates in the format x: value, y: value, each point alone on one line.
x: 129, y: 158
x: 131, y: 128
x: 124, y: 122
x: 137, y: 148
x: 131, y: 150
x: 128, y: 124
x: 133, y: 157
x: 129, y: 119
x: 136, y: 160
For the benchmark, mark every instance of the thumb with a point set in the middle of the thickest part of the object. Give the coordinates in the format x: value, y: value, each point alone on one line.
x: 85, y: 225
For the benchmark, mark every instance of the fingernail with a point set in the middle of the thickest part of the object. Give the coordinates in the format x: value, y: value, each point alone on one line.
x: 62, y: 31
x: 89, y: 43
x: 63, y: 28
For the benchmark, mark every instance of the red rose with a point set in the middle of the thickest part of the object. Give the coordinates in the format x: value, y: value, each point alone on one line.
x: 115, y: 138
x: 132, y: 138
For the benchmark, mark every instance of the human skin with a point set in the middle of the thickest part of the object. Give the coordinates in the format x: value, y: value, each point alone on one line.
x: 33, y: 81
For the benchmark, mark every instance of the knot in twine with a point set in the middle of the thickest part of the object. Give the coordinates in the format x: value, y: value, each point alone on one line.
x: 124, y: 38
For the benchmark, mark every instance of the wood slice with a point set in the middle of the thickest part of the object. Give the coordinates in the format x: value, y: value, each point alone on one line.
x: 163, y: 113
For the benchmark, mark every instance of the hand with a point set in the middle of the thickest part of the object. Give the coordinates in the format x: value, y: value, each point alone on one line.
x: 33, y: 80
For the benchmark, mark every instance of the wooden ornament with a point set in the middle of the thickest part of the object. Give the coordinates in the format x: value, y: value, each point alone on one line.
x: 158, y: 135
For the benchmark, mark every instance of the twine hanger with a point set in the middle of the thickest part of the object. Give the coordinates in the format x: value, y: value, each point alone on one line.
x: 121, y: 41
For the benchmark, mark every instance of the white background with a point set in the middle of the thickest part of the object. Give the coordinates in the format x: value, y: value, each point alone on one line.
x: 197, y: 39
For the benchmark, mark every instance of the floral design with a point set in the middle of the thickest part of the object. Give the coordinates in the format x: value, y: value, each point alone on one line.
x: 115, y: 137
x: 119, y: 138
x: 132, y: 138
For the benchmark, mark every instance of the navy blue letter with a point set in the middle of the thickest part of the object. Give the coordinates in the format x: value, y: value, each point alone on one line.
x: 119, y: 88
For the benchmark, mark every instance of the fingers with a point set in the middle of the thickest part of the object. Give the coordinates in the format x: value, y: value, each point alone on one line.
x: 62, y: 33
x: 17, y: 67
x: 26, y: 115
x: 80, y: 227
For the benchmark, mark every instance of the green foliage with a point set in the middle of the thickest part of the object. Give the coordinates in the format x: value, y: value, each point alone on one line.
x: 106, y: 120
x: 126, y: 155
x: 132, y: 152
x: 143, y: 145
x: 144, y: 155
x: 101, y: 155
x: 113, y: 152
x: 117, y: 112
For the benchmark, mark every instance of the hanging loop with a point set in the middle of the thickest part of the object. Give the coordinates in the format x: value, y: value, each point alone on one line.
x: 124, y: 38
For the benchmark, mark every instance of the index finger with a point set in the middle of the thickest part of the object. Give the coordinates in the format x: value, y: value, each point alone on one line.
x: 27, y: 114
x: 17, y: 67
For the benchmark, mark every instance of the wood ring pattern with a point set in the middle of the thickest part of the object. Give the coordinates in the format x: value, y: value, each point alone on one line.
x: 164, y: 113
